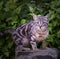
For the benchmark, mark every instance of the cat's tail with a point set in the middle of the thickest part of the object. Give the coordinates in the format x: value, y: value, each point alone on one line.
x: 6, y: 31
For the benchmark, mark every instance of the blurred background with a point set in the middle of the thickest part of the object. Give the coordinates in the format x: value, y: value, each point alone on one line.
x: 16, y: 12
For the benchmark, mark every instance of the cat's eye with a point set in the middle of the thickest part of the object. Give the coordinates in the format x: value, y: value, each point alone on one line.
x: 45, y: 23
x: 37, y: 22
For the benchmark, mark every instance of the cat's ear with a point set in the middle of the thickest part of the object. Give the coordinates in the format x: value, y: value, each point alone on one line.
x: 35, y: 17
x: 47, y: 16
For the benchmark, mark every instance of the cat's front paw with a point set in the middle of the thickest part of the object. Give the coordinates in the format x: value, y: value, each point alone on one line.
x: 26, y: 49
x: 36, y: 49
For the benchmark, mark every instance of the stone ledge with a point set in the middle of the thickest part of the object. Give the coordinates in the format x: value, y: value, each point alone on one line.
x: 49, y: 53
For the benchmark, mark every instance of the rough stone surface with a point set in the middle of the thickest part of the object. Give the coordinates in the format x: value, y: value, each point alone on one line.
x: 49, y: 53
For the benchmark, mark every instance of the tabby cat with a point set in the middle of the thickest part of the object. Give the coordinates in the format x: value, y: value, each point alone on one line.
x: 30, y: 33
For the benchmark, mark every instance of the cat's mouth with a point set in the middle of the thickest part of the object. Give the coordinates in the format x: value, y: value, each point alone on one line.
x: 40, y: 36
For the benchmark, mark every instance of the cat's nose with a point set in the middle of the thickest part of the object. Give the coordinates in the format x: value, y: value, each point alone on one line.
x: 40, y: 25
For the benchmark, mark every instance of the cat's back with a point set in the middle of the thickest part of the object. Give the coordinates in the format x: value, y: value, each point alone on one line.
x: 24, y: 26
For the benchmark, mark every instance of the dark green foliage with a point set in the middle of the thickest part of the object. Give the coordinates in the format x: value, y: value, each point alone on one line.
x: 16, y: 12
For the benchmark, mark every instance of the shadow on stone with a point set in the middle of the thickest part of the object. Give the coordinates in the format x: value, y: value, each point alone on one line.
x: 42, y: 57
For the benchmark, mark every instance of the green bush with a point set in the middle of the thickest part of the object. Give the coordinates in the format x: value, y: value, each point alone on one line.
x: 16, y: 12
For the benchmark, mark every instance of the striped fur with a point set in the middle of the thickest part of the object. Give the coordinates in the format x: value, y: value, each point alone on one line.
x: 30, y: 33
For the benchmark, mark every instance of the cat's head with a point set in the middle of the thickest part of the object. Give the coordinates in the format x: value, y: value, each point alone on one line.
x: 40, y: 26
x: 41, y: 21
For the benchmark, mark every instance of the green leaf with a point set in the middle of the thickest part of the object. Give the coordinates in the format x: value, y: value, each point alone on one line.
x: 1, y: 4
x: 31, y: 9
x: 6, y: 54
x: 23, y: 21
x: 58, y: 34
x: 1, y: 56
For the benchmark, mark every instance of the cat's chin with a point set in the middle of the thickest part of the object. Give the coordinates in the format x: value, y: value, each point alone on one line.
x: 40, y: 39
